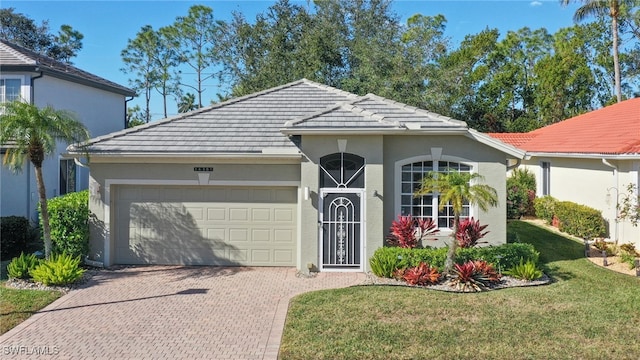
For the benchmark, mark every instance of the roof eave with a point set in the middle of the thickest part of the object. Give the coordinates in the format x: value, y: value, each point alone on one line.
x: 497, y: 144
x: 598, y: 156
x: 373, y: 131
x: 35, y: 68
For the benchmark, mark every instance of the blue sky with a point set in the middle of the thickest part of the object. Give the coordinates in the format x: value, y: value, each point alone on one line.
x: 107, y: 25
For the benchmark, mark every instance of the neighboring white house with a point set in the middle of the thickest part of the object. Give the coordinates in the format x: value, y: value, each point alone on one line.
x: 100, y: 104
x: 299, y: 175
x: 589, y: 159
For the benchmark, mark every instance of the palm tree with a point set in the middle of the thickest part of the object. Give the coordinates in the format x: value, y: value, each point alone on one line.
x: 29, y: 132
x: 456, y: 188
x: 611, y: 8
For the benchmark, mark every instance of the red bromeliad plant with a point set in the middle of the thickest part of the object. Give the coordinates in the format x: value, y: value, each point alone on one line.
x: 474, y: 276
x: 422, y: 274
x: 469, y: 232
x: 407, y: 232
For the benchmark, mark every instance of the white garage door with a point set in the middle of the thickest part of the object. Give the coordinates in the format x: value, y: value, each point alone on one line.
x: 205, y: 225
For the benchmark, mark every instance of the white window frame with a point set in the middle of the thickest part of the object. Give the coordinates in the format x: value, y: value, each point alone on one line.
x: 545, y: 178
x: 436, y: 155
x: 24, y: 86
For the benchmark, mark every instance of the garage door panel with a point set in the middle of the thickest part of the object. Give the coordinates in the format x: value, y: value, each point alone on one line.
x: 153, y: 226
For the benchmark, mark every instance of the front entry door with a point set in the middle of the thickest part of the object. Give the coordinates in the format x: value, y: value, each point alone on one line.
x: 341, y: 229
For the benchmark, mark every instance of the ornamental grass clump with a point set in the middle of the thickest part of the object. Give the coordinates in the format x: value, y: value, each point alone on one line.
x: 20, y: 266
x: 525, y: 271
x: 60, y: 269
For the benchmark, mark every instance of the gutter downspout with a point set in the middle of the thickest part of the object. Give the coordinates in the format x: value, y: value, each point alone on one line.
x: 616, y: 178
x: 511, y: 167
x: 125, y: 110
x: 32, y: 101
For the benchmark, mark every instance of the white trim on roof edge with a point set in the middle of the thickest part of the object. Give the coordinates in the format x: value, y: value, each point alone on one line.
x: 597, y: 156
x: 496, y: 144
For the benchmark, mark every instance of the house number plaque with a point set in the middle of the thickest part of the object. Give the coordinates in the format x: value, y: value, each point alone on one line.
x: 203, y: 169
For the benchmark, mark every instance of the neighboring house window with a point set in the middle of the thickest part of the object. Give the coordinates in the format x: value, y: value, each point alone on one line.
x: 546, y: 177
x: 67, y: 176
x: 9, y: 90
x: 427, y: 206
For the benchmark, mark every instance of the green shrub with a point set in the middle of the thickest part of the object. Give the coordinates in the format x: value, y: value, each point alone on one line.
x: 60, y: 269
x: 545, y: 207
x: 525, y: 271
x: 629, y: 259
x: 386, y: 260
x: 580, y: 220
x: 521, y: 191
x: 14, y: 236
x: 69, y: 221
x: 20, y: 266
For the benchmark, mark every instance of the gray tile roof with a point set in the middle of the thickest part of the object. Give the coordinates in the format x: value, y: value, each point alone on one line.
x: 257, y: 123
x: 17, y: 58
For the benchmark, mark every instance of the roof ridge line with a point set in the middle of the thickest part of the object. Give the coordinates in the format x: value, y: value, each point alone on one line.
x: 326, y: 110
x: 416, y: 109
x: 183, y: 115
x: 380, y: 118
x: 330, y: 88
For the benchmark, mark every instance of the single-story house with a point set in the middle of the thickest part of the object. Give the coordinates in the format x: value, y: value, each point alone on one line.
x: 39, y: 80
x: 301, y: 175
x: 589, y: 159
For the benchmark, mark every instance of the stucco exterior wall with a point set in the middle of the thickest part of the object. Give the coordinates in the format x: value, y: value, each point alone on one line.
x: 101, y: 111
x: 105, y: 175
x: 592, y: 183
x: 371, y: 149
x: 486, y: 161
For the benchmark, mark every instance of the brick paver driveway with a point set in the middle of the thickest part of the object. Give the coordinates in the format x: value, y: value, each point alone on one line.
x: 168, y: 312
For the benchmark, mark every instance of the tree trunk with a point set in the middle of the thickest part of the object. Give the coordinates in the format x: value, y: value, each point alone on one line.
x: 616, y: 60
x: 44, y: 212
x: 451, y: 254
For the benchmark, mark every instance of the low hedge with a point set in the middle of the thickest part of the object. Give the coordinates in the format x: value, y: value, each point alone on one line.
x: 385, y: 260
x: 580, y: 220
x: 575, y: 219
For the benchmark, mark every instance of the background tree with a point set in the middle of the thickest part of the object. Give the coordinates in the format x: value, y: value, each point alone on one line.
x: 135, y: 116
x: 457, y: 189
x: 617, y: 10
x: 139, y: 58
x: 33, y: 134
x: 19, y: 29
x: 187, y: 103
x: 195, y: 35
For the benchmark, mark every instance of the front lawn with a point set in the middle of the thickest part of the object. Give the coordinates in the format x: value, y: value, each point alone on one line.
x: 587, y: 313
x: 17, y: 305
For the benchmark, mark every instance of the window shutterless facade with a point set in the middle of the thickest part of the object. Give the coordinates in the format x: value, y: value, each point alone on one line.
x: 545, y: 168
x: 10, y: 89
x: 428, y: 206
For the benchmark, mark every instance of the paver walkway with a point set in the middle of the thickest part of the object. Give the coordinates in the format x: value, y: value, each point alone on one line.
x: 168, y: 312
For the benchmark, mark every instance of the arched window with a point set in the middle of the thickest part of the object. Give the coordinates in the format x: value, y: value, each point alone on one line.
x: 342, y: 170
x: 427, y: 206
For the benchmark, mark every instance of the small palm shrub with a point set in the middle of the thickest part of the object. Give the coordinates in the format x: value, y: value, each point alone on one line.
x: 407, y: 232
x: 20, y: 266
x: 60, y: 269
x: 422, y: 275
x: 469, y: 232
x: 474, y: 276
x: 525, y: 271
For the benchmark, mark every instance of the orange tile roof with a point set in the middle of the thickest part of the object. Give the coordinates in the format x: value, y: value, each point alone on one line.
x: 614, y: 129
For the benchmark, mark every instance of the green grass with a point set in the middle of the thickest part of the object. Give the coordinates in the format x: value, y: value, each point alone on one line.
x: 18, y: 305
x: 587, y: 313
